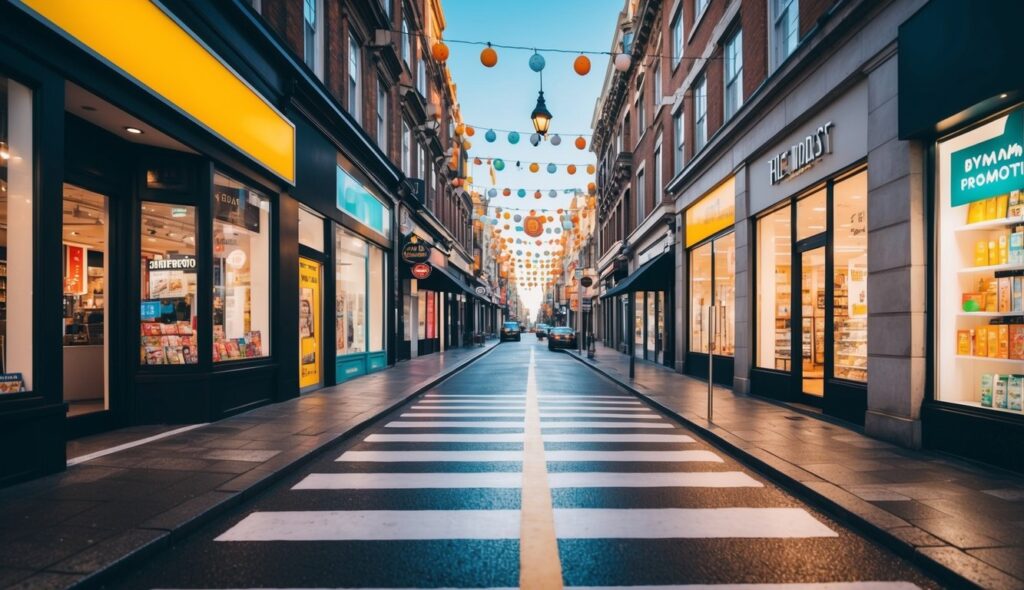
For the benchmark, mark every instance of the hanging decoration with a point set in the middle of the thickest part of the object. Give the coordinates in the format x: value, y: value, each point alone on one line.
x: 552, y: 168
x: 513, y: 137
x: 534, y: 167
x: 490, y: 136
x: 590, y: 168
x: 533, y: 226
x: 571, y: 168
x: 470, y: 132
x: 499, y: 164
x: 521, y: 193
x: 440, y: 51
x: 535, y: 139
x: 489, y: 57
x: 556, y: 140
x: 581, y: 65
x: 537, y: 62
x: 622, y: 62
x: 581, y: 143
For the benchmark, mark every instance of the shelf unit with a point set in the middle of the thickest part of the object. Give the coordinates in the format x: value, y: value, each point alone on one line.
x: 990, y: 225
x: 849, y: 364
x: 783, y: 323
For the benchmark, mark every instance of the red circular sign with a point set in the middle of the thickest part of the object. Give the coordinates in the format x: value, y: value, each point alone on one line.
x: 421, y: 270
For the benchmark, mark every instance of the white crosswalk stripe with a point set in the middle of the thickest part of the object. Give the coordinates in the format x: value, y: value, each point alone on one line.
x: 687, y: 523
x: 672, y: 479
x: 509, y: 437
x: 632, y: 456
x: 406, y: 481
x: 453, y: 424
x: 375, y: 525
x: 429, y: 456
x: 618, y: 437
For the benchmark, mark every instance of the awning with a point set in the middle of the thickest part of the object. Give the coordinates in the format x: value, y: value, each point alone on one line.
x: 653, y: 275
x: 442, y: 279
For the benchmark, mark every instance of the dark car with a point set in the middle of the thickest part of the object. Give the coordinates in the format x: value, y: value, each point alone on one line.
x: 542, y: 331
x: 510, y: 331
x: 561, y: 337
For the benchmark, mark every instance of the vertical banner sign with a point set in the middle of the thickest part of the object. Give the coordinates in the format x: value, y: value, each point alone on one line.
x: 74, y: 271
x: 309, y: 322
x: 430, y: 315
x: 989, y: 168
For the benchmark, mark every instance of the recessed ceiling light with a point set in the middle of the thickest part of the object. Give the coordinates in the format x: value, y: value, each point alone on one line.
x: 1003, y: 95
x: 133, y: 130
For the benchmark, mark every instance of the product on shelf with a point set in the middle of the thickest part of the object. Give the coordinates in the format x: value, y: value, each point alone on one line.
x: 167, y: 344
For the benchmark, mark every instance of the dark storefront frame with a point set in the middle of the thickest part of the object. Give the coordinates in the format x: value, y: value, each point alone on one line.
x: 723, y: 366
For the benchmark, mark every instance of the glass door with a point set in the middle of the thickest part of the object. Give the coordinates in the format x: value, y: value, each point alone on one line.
x: 811, y: 291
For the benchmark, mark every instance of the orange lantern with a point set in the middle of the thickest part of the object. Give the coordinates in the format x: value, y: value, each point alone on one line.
x: 571, y: 169
x: 506, y: 192
x: 460, y: 129
x: 581, y: 65
x: 477, y: 161
x: 439, y: 51
x: 536, y: 195
x: 470, y: 131
x: 533, y: 226
x: 581, y: 143
x: 591, y: 188
x: 534, y: 167
x: 489, y: 57
x: 590, y: 168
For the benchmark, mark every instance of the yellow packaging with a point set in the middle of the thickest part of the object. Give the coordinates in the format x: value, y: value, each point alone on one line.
x: 976, y: 212
x: 993, y: 342
x: 1005, y: 287
x: 991, y: 288
x: 1001, y: 203
x: 981, y: 341
x: 993, y: 252
x: 972, y: 337
x: 1004, y: 248
x: 981, y: 253
x: 963, y: 342
x: 1004, y: 341
x: 990, y: 209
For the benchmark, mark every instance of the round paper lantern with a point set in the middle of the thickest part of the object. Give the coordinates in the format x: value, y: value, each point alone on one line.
x: 556, y: 140
x: 466, y: 145
x: 552, y: 168
x: 537, y: 62
x: 553, y: 193
x: 537, y: 195
x: 513, y: 137
x: 460, y: 129
x: 534, y: 167
x: 581, y: 65
x: 507, y: 215
x: 517, y: 218
x: 507, y: 192
x: 490, y: 136
x: 470, y: 131
x: 521, y: 193
x: 492, y: 193
x: 456, y: 182
x: 581, y: 143
x: 477, y: 162
x: 535, y: 139
x: 499, y: 164
x: 440, y: 51
x: 622, y: 61
x: 590, y: 168
x: 489, y: 57
x: 571, y: 169
x: 533, y: 226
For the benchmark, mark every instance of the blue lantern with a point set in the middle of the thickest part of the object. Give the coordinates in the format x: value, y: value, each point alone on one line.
x: 552, y: 168
x: 536, y: 62
x: 499, y: 164
x: 513, y: 137
x: 492, y: 193
x: 490, y: 136
x: 553, y: 193
x: 517, y: 218
x: 521, y: 193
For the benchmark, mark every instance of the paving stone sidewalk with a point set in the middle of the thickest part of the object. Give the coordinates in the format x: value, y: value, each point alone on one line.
x: 962, y: 517
x: 70, y: 528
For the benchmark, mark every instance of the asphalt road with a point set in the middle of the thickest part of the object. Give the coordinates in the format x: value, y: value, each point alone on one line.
x: 605, y: 491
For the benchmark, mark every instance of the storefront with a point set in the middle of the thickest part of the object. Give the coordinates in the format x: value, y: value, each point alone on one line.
x: 974, y: 135
x: 640, y: 307
x: 711, y: 283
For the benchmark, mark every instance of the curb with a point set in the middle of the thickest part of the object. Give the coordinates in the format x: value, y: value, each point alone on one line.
x: 155, y: 539
x: 945, y: 572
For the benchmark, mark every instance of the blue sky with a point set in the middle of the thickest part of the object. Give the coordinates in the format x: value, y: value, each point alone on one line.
x: 502, y: 97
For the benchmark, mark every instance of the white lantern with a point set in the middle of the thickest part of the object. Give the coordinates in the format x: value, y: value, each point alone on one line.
x: 622, y: 62
x: 556, y: 140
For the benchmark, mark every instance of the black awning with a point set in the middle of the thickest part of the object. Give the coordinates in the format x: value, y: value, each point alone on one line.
x: 442, y: 279
x: 654, y: 275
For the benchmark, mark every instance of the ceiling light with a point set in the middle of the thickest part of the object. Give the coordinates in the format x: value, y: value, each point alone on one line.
x: 1003, y: 95
x: 74, y: 233
x: 5, y: 153
x: 133, y: 130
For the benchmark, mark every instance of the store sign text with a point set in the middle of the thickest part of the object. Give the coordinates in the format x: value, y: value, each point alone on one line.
x: 989, y: 168
x: 801, y: 156
x: 186, y: 263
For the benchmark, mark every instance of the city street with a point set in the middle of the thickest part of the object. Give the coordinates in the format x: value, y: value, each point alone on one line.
x: 471, y: 483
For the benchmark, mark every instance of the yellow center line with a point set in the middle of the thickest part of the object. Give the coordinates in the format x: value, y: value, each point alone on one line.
x: 539, y: 565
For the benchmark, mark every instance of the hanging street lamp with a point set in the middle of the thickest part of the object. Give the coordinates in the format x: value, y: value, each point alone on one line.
x: 540, y: 115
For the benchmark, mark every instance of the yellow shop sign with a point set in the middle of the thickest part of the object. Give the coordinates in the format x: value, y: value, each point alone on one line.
x: 711, y: 214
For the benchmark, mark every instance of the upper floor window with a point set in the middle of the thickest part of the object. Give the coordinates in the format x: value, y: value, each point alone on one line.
x: 387, y: 7
x: 382, y: 115
x: 312, y: 32
x: 700, y: 112
x: 679, y: 131
x: 656, y: 173
x: 421, y: 162
x: 785, y: 27
x: 406, y: 148
x: 355, y: 94
x: 641, y: 196
x: 677, y: 35
x: 733, y: 73
x: 421, y: 77
x: 406, y: 44
x: 699, y: 6
x: 656, y: 83
x: 641, y: 120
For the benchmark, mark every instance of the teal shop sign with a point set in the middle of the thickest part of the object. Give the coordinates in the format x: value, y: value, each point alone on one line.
x: 990, y: 168
x: 353, y: 198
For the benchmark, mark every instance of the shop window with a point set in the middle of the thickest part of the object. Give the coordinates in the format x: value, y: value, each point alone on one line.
x: 311, y: 229
x: 241, y: 271
x: 16, y: 273
x: 700, y: 296
x: 774, y: 285
x: 713, y: 282
x: 376, y: 273
x: 421, y: 315
x: 169, y: 283
x: 811, y: 214
x: 979, y: 267
x: 351, y: 253
x: 850, y: 277
x: 638, y: 323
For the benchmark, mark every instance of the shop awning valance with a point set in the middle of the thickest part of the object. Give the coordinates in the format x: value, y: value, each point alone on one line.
x: 653, y: 275
x: 443, y: 279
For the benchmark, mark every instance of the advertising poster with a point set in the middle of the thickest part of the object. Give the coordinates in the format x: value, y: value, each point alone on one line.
x: 430, y: 315
x: 74, y: 271
x: 309, y: 322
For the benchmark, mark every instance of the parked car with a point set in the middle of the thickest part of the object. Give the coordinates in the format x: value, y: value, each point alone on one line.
x: 542, y: 331
x: 510, y: 331
x: 561, y: 337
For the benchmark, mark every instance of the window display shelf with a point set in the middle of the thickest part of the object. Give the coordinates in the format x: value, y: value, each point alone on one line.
x: 840, y: 365
x: 990, y: 314
x: 989, y: 225
x: 1018, y: 362
x: 978, y: 405
x: 973, y: 270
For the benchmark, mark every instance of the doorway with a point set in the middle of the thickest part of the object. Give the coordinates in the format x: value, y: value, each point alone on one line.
x: 310, y: 314
x: 811, y: 287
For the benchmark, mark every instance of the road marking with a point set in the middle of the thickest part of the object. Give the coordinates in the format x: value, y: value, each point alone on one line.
x: 468, y: 424
x: 644, y: 456
x: 539, y: 563
x: 409, y: 481
x: 582, y: 424
x: 129, y: 445
x: 635, y: 416
x: 752, y: 586
x: 466, y: 396
x: 621, y: 438
x: 375, y: 525
x: 436, y: 407
x: 578, y: 401
x: 684, y: 479
x: 428, y: 456
x: 518, y: 414
x: 561, y: 408
x: 510, y: 437
x: 688, y: 523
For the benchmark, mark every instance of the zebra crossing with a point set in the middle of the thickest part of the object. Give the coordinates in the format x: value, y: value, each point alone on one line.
x: 445, y: 493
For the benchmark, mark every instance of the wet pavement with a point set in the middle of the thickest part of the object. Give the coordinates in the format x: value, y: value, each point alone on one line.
x: 525, y: 469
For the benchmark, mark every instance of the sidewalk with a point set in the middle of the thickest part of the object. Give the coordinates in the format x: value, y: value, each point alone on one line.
x: 68, y: 528
x: 961, y: 517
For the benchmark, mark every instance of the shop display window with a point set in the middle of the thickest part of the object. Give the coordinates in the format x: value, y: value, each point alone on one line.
x: 241, y: 271
x: 350, y: 293
x: 638, y: 323
x: 774, y: 284
x: 713, y: 282
x: 85, y: 289
x: 169, y: 273
x: 979, y: 270
x: 850, y: 278
x: 16, y: 199
x: 376, y: 318
x: 811, y: 214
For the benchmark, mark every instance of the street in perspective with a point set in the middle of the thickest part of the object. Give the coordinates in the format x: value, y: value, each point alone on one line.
x: 451, y: 294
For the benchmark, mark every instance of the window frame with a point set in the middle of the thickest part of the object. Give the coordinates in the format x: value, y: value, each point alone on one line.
x: 314, y: 37
x: 700, y: 112
x: 406, y: 148
x: 382, y: 115
x: 779, y: 53
x: 406, y: 44
x: 640, y: 194
x: 679, y: 133
x: 355, y: 91
x: 677, y: 35
x: 732, y: 55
